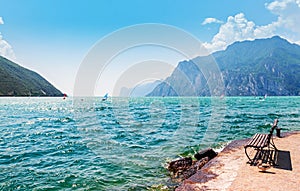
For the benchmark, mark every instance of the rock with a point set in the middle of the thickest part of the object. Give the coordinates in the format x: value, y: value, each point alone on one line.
x: 210, y: 153
x: 183, y: 168
x: 199, y: 164
x: 194, y: 168
x: 184, y: 174
x: 180, y: 164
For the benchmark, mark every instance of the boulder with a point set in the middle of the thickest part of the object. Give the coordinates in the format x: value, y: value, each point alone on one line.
x: 210, y: 153
x: 180, y: 164
x: 183, y: 174
x: 184, y: 168
x: 197, y: 165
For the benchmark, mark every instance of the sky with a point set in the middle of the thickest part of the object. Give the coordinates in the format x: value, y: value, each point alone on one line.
x: 53, y: 37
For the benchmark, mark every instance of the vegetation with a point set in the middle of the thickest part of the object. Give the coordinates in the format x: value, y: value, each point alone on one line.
x: 19, y: 81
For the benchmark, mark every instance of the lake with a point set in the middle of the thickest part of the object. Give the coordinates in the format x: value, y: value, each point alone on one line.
x: 122, y: 143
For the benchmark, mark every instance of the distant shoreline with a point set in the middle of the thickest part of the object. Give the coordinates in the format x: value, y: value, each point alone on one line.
x: 3, y: 96
x: 155, y: 96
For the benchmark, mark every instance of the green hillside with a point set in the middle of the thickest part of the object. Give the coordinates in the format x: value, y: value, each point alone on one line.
x: 19, y: 81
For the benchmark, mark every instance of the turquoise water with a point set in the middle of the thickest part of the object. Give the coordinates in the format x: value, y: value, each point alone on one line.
x: 122, y: 144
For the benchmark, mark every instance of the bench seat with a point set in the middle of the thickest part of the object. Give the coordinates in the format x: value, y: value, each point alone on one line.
x: 258, y: 141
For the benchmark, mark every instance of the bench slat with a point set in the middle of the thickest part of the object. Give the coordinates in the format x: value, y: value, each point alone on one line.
x: 258, y: 140
x: 252, y: 140
x: 262, y: 140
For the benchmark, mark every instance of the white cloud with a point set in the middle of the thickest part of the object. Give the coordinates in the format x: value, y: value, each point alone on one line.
x: 211, y: 20
x: 238, y: 28
x: 288, y: 12
x: 6, y: 49
x: 277, y: 5
x: 280, y: 5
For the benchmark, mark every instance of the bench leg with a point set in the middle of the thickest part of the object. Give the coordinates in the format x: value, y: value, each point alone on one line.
x: 273, y: 144
x: 275, y: 157
x: 252, y: 160
x: 249, y: 159
x: 269, y: 156
x: 272, y: 147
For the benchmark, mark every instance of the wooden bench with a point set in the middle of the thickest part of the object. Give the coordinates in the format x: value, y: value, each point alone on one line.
x: 264, y: 146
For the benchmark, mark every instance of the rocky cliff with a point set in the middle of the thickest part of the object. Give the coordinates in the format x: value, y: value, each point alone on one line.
x: 249, y: 68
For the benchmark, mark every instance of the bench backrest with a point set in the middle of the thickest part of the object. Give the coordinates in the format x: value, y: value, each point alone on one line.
x: 272, y: 130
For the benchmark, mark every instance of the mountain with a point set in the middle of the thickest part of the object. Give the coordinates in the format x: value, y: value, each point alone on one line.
x: 249, y: 68
x: 140, y: 90
x: 19, y: 81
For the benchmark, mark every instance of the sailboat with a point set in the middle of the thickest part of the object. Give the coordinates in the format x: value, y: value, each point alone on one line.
x: 264, y: 97
x: 105, y: 97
